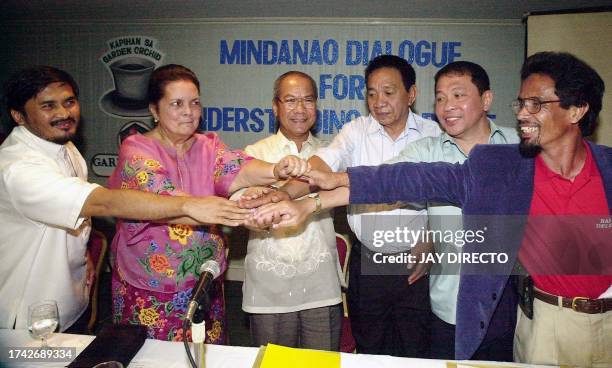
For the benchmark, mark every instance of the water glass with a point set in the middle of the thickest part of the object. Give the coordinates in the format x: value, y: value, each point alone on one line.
x: 43, y: 319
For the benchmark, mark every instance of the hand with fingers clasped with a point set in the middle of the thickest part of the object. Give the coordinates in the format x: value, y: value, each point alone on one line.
x: 217, y: 210
x: 256, y: 192
x: 252, y: 197
x: 283, y: 214
x: 258, y: 196
x: 291, y: 167
x: 327, y: 180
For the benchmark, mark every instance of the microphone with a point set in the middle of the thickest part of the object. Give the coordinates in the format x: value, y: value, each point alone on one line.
x: 209, y: 271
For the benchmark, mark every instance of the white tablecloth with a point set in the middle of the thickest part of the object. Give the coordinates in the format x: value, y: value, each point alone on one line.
x: 165, y: 354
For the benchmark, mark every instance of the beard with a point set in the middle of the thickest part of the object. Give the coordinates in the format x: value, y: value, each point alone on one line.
x: 63, y: 140
x: 529, y: 150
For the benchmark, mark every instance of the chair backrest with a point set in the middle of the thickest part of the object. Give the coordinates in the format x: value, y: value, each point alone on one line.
x: 344, y: 251
x: 347, y: 341
x: 97, y: 247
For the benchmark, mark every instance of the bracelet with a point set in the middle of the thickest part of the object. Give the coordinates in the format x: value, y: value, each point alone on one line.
x: 318, y: 205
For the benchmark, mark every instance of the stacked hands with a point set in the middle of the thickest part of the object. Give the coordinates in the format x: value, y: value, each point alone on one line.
x: 274, y: 208
x: 263, y: 207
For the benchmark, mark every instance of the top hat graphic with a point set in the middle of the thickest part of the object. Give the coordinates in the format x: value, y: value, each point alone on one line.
x: 129, y: 98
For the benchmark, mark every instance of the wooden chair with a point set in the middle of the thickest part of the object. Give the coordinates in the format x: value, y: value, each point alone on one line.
x: 347, y: 342
x: 97, y: 247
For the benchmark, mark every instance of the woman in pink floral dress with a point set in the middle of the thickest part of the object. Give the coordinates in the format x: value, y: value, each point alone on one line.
x: 155, y: 265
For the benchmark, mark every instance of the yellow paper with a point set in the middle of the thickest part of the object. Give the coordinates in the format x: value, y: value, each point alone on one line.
x: 277, y: 356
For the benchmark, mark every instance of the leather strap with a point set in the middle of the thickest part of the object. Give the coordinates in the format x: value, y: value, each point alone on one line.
x: 579, y: 304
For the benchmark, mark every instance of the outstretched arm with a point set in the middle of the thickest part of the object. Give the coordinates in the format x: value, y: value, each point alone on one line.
x: 409, y: 182
x: 257, y: 172
x: 139, y: 205
x: 413, y: 182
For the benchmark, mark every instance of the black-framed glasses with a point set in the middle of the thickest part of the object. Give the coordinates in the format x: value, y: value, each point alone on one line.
x: 533, y: 105
x: 292, y: 102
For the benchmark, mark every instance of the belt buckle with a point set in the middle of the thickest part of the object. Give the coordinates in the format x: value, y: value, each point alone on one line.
x: 574, y: 300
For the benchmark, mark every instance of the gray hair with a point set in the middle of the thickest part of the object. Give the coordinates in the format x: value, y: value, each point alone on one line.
x: 280, y: 79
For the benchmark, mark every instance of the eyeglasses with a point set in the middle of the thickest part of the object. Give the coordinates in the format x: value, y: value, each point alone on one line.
x: 533, y: 105
x: 292, y: 102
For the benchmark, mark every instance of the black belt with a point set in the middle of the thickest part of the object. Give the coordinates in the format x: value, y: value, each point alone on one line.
x: 579, y: 304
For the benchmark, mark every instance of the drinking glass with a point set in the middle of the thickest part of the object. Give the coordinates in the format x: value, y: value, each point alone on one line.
x: 43, y: 319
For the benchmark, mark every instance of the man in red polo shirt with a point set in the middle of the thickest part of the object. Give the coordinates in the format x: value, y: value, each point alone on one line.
x: 563, y: 261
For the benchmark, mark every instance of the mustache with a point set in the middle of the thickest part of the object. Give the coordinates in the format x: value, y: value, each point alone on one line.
x: 524, y: 122
x: 62, y: 121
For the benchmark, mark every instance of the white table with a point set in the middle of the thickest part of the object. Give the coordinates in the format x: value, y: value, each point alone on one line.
x: 166, y: 354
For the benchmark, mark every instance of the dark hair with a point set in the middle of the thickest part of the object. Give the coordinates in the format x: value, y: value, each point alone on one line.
x: 27, y: 83
x: 279, y: 80
x: 479, y: 76
x: 576, y: 83
x: 163, y: 75
x: 395, y: 62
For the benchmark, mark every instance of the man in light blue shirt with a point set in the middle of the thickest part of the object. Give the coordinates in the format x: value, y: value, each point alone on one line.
x: 462, y: 100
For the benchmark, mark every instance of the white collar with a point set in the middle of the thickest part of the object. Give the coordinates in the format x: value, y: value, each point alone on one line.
x: 285, y: 141
x: 411, y: 124
x: 50, y: 148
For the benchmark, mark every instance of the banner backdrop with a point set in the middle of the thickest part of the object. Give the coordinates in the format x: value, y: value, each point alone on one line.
x: 237, y: 62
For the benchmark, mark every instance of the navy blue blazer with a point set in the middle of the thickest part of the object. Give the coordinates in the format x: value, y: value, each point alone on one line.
x: 495, y: 181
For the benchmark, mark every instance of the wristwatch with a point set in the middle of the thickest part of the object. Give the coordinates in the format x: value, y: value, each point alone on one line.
x: 318, y: 204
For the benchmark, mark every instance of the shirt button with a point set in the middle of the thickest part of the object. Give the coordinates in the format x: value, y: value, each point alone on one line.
x: 494, y: 296
x: 482, y: 324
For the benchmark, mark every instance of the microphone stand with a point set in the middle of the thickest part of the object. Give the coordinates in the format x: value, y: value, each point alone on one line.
x: 186, y: 343
x: 199, y: 302
x: 198, y: 333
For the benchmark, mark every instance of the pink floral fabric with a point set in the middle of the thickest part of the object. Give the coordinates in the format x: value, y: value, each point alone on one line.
x: 155, y: 266
x: 163, y: 313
